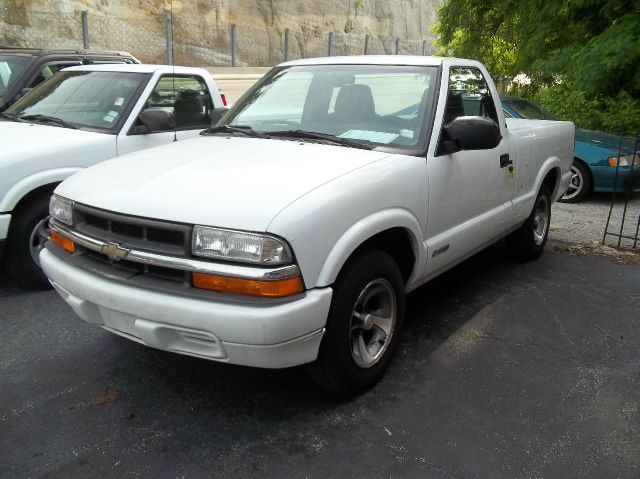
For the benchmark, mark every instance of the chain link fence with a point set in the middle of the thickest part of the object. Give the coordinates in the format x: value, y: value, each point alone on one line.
x: 160, y: 40
x: 142, y: 38
x: 18, y: 29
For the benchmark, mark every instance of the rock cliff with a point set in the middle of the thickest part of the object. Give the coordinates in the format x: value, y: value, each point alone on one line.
x: 201, y: 28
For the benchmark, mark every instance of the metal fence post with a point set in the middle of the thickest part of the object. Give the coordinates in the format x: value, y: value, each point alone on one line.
x: 286, y: 44
x: 85, y: 29
x: 168, y: 40
x: 366, y: 44
x: 424, y: 47
x: 330, y: 42
x: 234, y: 44
x: 397, y: 45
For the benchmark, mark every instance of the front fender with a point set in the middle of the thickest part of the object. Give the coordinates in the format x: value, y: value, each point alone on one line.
x: 30, y: 183
x: 365, y: 229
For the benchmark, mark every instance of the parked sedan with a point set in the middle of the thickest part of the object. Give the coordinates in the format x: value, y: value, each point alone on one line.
x: 596, y: 154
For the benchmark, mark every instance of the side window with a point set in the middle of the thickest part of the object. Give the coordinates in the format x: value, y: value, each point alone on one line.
x: 187, y: 97
x: 468, y: 95
x: 48, y: 70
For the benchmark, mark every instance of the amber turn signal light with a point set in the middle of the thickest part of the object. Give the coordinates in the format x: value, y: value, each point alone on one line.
x: 269, y: 289
x: 65, y: 243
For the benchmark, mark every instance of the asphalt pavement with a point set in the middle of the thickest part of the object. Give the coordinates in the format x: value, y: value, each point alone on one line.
x: 504, y: 370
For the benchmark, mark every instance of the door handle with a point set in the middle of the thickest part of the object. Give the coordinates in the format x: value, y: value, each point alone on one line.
x: 505, y: 161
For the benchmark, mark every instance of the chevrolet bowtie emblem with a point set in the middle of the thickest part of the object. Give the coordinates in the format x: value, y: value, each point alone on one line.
x: 114, y: 251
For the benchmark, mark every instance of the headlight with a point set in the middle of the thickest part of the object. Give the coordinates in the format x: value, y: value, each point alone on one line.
x: 624, y: 160
x: 238, y: 246
x: 61, y: 209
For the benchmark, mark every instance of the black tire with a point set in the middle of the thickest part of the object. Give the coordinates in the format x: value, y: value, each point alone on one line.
x: 375, y: 275
x: 580, y: 185
x: 527, y: 242
x: 17, y: 254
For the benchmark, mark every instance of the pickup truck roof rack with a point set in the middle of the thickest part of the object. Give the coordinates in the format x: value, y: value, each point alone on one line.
x: 43, y: 51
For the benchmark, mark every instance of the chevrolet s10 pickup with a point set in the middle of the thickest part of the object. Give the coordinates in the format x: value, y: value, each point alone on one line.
x: 290, y: 233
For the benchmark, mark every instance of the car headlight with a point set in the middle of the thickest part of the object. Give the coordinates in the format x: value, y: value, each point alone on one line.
x: 230, y: 245
x: 61, y: 209
x: 622, y: 161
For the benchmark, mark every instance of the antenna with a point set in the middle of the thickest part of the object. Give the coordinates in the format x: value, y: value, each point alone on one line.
x: 173, y: 74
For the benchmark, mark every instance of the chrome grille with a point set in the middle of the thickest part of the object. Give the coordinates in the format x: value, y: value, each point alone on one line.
x: 134, y: 232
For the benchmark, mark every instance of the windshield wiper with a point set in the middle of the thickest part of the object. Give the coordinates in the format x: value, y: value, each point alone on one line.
x: 244, y: 129
x: 312, y: 135
x: 9, y: 116
x: 48, y: 119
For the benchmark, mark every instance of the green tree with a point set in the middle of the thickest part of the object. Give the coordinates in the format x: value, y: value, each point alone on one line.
x: 578, y: 53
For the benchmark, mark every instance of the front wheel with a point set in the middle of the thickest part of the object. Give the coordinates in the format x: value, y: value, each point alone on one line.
x: 527, y: 242
x: 27, y: 235
x: 365, y: 319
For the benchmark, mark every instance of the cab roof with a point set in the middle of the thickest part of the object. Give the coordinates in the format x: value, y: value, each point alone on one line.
x: 411, y: 60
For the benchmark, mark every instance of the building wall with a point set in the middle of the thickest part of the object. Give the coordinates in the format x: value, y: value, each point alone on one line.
x: 201, y: 27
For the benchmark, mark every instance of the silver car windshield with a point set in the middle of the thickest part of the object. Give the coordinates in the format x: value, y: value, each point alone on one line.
x: 94, y: 100
x: 380, y: 105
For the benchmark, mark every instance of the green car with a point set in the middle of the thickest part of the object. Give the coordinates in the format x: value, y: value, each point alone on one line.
x: 596, y: 155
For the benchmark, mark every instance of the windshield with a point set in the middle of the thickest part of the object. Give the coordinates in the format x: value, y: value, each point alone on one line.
x: 377, y: 105
x: 89, y: 99
x: 11, y: 68
x: 529, y: 110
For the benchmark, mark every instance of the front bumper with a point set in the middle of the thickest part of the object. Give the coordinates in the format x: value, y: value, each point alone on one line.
x: 260, y: 335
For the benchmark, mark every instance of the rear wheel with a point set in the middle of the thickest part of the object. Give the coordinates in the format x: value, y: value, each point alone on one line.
x: 580, y: 184
x: 527, y: 242
x: 365, y: 319
x: 27, y: 235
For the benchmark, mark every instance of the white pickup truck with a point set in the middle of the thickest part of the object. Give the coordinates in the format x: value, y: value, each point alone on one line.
x: 79, y: 117
x: 290, y: 233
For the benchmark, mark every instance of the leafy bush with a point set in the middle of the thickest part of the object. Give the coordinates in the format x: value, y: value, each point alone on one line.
x: 582, y: 57
x: 610, y: 114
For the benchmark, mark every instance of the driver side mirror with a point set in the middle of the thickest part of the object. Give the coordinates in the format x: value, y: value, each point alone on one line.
x: 469, y: 133
x: 154, y: 120
x: 217, y: 114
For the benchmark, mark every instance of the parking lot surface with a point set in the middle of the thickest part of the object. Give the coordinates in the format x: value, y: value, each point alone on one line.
x: 503, y: 370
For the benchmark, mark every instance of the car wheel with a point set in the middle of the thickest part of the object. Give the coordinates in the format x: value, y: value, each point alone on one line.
x: 527, y: 242
x: 27, y: 234
x: 580, y: 184
x: 365, y: 319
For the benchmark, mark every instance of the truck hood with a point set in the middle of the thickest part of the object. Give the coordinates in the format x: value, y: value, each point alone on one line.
x: 239, y: 183
x: 32, y: 155
x: 31, y: 139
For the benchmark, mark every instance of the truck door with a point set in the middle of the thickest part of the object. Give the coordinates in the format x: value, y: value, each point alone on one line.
x: 470, y: 192
x: 186, y: 97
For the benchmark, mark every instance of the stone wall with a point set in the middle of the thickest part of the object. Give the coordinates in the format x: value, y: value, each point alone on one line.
x: 201, y: 27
